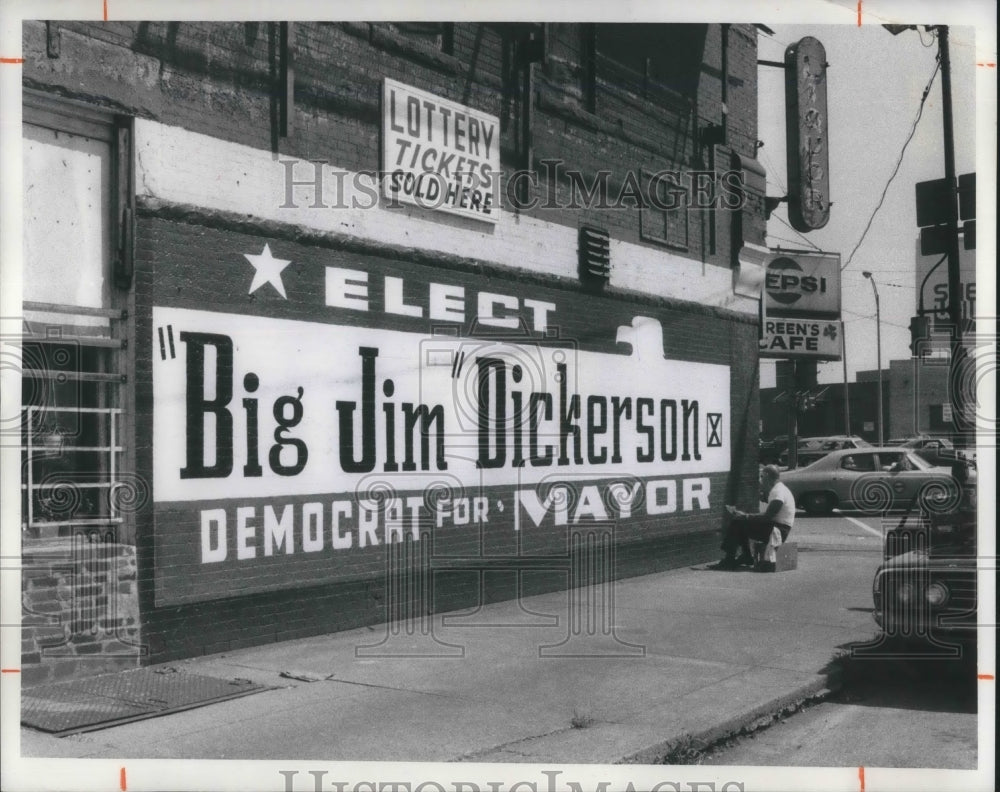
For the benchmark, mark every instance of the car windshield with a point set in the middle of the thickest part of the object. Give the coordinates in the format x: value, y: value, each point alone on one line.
x: 917, y: 462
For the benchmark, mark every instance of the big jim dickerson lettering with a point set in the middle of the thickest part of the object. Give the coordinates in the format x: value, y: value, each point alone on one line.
x: 581, y: 428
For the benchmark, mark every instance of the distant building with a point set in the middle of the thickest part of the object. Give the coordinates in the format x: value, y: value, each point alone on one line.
x: 921, y: 401
x: 914, y: 395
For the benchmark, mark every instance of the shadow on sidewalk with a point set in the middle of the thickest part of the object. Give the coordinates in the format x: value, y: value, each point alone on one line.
x: 899, y: 675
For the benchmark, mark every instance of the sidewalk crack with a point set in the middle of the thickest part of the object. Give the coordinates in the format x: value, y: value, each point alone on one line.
x: 333, y: 678
x: 472, y: 755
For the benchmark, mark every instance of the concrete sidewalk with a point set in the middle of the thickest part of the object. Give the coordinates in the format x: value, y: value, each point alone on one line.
x: 693, y: 652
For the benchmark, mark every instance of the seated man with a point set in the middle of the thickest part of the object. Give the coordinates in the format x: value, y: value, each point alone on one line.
x: 742, y: 527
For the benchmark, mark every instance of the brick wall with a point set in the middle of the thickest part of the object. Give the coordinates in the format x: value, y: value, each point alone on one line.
x: 209, y: 89
x: 80, y: 610
x: 217, y: 78
x: 174, y: 271
x: 178, y: 166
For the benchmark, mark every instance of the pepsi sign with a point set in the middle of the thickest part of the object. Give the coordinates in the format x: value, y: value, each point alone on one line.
x: 802, y: 284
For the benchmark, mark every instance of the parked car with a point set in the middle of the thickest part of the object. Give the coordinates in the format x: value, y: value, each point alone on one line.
x: 875, y: 480
x: 927, y: 593
x: 936, y: 450
x: 770, y: 450
x: 812, y: 448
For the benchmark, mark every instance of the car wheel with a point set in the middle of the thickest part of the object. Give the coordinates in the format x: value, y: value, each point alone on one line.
x: 818, y: 503
x: 938, y: 497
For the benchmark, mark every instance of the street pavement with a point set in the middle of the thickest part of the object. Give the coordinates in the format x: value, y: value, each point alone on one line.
x: 688, y: 653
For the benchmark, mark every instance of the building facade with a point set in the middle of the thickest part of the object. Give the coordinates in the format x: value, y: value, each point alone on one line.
x: 916, y: 400
x: 335, y: 324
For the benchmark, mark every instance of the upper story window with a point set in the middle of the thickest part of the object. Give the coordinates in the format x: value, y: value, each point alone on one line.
x: 437, y: 35
x: 67, y: 208
x: 658, y: 62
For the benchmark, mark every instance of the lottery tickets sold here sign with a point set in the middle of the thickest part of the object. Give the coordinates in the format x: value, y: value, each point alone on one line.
x: 438, y: 154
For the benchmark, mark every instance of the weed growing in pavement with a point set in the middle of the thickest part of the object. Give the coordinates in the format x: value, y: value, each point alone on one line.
x: 687, y: 750
x: 581, y: 720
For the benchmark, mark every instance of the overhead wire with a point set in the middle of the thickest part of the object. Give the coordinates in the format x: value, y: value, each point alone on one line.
x: 899, y: 162
x: 933, y: 37
x: 795, y: 231
x: 783, y: 239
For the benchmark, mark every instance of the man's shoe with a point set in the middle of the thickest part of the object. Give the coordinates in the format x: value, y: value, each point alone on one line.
x: 744, y: 560
x: 726, y: 564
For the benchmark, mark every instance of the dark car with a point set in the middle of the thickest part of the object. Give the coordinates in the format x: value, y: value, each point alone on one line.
x: 925, y: 591
x: 770, y: 450
x: 936, y: 450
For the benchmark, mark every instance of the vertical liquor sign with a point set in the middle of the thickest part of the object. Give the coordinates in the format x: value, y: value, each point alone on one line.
x: 807, y: 146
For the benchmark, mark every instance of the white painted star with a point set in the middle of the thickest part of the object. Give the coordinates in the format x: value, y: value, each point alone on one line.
x: 267, y: 270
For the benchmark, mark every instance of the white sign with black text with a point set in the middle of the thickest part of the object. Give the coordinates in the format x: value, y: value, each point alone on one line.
x: 438, y: 154
x: 801, y: 338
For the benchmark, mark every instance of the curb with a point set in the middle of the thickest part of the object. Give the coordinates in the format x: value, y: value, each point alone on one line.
x: 746, y: 722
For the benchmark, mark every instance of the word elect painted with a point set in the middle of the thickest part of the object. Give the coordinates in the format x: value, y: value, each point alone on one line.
x: 350, y: 289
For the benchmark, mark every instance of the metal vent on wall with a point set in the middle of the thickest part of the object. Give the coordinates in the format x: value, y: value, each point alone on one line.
x: 595, y: 256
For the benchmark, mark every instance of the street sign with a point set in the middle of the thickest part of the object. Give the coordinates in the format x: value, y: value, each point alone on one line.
x: 931, y: 281
x: 802, y: 284
x: 932, y: 202
x: 801, y: 338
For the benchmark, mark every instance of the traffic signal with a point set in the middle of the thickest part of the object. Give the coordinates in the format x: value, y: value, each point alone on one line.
x: 920, y: 330
x: 967, y: 196
x: 969, y: 234
x: 805, y: 373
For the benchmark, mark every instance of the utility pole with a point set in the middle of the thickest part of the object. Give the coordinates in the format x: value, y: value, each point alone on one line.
x: 878, y: 348
x: 959, y: 398
x: 954, y: 270
x: 847, y: 392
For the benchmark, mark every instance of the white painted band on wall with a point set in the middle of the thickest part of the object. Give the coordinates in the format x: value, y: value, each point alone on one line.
x: 175, y: 164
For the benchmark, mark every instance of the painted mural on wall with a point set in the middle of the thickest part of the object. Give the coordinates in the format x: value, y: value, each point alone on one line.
x: 311, y: 408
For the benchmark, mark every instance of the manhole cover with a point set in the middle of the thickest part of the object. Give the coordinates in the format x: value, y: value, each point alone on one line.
x: 64, y: 708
